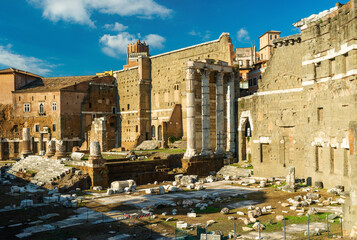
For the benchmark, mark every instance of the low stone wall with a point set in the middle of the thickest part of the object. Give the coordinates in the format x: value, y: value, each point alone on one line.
x: 201, y: 166
x: 143, y: 171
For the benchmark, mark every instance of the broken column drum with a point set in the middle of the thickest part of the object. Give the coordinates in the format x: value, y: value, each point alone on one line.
x: 51, y: 148
x: 60, y: 150
x: 26, y: 142
x: 95, y: 149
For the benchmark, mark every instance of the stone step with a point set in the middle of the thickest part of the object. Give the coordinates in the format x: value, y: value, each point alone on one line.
x: 148, y: 145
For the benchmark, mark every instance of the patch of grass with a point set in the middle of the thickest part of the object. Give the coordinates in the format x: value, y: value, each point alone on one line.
x: 169, y: 223
x: 165, y: 150
x: 278, y: 226
x: 31, y: 172
x: 277, y: 186
x: 207, y: 210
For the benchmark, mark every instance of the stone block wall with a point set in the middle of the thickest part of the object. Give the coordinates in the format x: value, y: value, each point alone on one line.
x: 300, y: 116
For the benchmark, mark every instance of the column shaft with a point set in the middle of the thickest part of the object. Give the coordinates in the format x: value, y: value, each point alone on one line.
x: 230, y: 116
x: 219, y: 113
x: 190, y: 114
x: 206, y: 150
x: 26, y: 142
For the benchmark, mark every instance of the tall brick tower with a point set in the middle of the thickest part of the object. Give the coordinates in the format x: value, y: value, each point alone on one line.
x: 134, y: 50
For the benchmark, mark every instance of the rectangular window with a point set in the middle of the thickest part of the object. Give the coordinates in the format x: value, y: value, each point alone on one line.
x: 332, y: 160
x: 37, y: 128
x: 27, y: 107
x: 332, y: 66
x: 54, y: 106
x: 128, y: 106
x: 345, y: 162
x: 255, y: 81
x: 16, y: 128
x: 16, y: 147
x: 53, y: 127
x: 320, y: 115
x: 318, y: 154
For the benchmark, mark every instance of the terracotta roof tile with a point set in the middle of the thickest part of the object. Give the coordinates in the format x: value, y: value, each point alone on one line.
x: 56, y: 83
x: 14, y: 70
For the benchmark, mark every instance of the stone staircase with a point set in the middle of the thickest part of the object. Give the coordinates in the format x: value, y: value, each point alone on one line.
x: 47, y: 170
x: 148, y: 145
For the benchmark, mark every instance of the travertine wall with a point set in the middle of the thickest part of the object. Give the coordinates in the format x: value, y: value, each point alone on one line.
x: 128, y: 107
x: 300, y: 116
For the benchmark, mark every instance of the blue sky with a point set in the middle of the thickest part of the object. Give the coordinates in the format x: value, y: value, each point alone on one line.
x: 82, y: 37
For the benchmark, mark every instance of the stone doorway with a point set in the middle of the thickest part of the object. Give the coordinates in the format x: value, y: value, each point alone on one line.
x: 245, y: 136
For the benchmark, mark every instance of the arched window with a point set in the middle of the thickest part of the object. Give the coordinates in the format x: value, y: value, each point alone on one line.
x: 42, y: 108
x: 152, y: 132
x: 159, y: 132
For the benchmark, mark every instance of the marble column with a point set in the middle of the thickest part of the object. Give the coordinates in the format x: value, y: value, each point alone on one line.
x: 26, y: 142
x: 230, y: 116
x: 219, y: 113
x: 206, y: 148
x: 190, y: 113
x: 40, y: 143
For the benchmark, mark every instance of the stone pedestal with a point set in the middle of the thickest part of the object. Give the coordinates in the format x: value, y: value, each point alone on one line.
x: 26, y: 142
x: 99, y: 171
x: 60, y: 150
x: 51, y: 148
x: 191, y: 114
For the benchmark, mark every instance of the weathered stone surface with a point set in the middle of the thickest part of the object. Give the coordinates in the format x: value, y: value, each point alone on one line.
x: 77, y: 156
x: 121, y: 185
x: 224, y: 210
x: 233, y: 171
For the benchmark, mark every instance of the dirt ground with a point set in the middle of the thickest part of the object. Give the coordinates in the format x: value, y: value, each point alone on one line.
x: 149, y: 228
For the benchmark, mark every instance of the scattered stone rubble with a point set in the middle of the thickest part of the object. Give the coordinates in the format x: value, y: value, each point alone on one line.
x: 45, y: 170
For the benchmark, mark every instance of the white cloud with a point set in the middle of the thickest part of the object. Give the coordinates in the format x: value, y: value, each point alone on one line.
x: 30, y: 64
x: 155, y: 41
x: 116, y: 27
x: 79, y: 11
x: 243, y: 35
x: 204, y: 36
x: 116, y: 45
x: 194, y: 33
